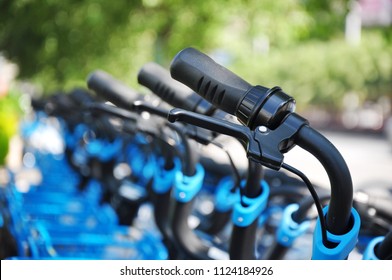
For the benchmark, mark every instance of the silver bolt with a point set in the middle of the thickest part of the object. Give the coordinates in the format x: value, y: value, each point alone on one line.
x: 263, y: 129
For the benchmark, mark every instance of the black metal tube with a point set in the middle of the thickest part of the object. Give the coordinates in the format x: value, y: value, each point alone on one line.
x: 384, y: 250
x: 216, y: 222
x: 255, y: 175
x: 162, y: 204
x: 190, y: 156
x: 243, y: 239
x: 187, y: 239
x: 276, y: 252
x: 339, y: 211
x: 161, y: 213
x: 243, y: 242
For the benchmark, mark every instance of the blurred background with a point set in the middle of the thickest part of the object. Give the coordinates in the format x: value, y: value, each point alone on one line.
x: 334, y: 57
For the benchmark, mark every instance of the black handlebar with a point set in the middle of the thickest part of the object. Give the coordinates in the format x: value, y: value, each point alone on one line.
x: 258, y: 106
x: 215, y: 83
x: 111, y: 89
x: 253, y: 105
x: 158, y: 80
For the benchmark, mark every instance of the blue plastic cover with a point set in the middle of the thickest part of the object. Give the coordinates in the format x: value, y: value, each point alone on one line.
x: 245, y: 215
x: 345, y: 242
x: 187, y: 187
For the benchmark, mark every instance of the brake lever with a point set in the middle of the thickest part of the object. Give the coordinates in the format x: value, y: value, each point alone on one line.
x: 142, y: 106
x: 262, y: 145
x: 100, y: 108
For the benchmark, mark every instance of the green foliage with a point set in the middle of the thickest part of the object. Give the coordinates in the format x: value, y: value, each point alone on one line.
x: 323, y: 72
x: 57, y: 43
x: 297, y: 44
x: 9, y: 117
x: 54, y: 41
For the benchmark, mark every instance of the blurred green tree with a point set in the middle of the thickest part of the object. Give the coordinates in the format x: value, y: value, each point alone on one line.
x: 57, y: 43
x: 298, y: 44
x: 9, y: 119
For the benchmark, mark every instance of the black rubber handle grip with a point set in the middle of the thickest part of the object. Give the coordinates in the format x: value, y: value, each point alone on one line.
x: 158, y: 80
x: 216, y: 84
x: 110, y: 89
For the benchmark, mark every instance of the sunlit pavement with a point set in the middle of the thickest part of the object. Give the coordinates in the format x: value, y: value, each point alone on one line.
x: 368, y: 156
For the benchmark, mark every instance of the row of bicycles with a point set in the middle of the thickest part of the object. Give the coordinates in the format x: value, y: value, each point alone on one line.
x: 192, y: 170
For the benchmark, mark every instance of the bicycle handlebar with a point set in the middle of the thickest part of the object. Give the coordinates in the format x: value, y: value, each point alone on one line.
x: 259, y: 106
x: 252, y: 105
x: 111, y: 89
x: 158, y: 80
x: 340, y: 205
x: 215, y: 83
